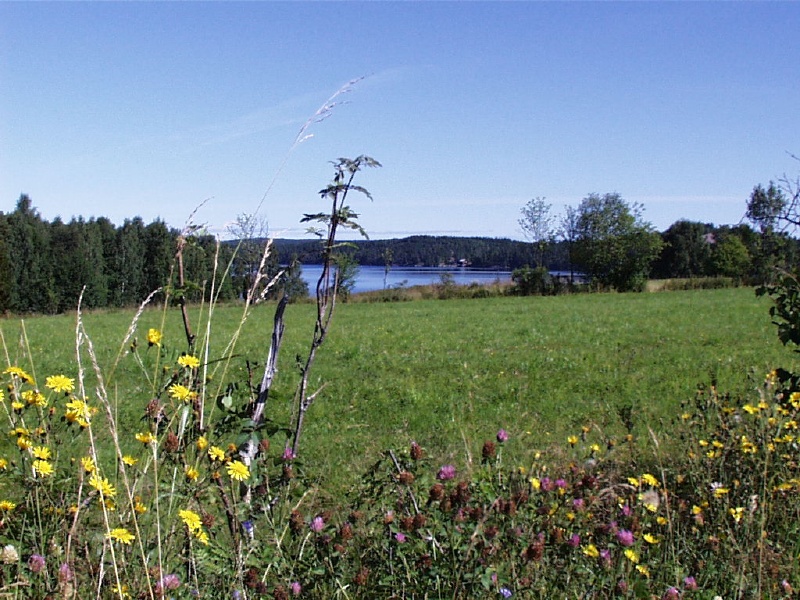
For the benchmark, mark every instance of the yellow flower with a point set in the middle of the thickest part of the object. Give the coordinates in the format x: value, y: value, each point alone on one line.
x: 650, y: 480
x: 180, y: 392
x: 43, y: 468
x: 3, y: 464
x: 78, y: 412
x: 34, y: 397
x: 17, y: 405
x: 719, y: 492
x: 591, y: 551
x: 191, y: 519
x: 643, y: 570
x: 737, y: 513
x: 202, y: 443
x: 7, y: 505
x: 201, y: 536
x: 129, y: 460
x: 60, y: 383
x: 572, y: 440
x: 238, y: 470
x: 661, y: 520
x: 42, y: 452
x: 536, y: 484
x: 120, y: 534
x: 750, y: 409
x: 139, y: 507
x: 145, y: 438
x: 216, y: 453
x: 102, y: 485
x: 20, y: 374
x: 2, y: 396
x: 651, y: 539
x: 634, y: 481
x: 121, y: 590
x: 23, y: 443
x: 87, y: 462
x: 154, y: 337
x: 192, y: 473
x: 631, y: 555
x: 188, y: 361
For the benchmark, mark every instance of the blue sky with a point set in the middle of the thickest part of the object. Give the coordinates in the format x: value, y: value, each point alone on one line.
x: 150, y: 109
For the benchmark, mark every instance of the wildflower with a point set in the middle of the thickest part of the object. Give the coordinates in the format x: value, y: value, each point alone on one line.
x: 625, y: 537
x: 591, y: 551
x: 634, y: 481
x: 535, y: 482
x: 643, y: 570
x: 296, y: 588
x: 34, y: 398
x: 288, y: 454
x: 651, y: 539
x: 317, y: 524
x: 718, y: 490
x: 130, y: 460
x: 167, y: 582
x: 60, y: 383
x: 191, y: 473
x: 502, y: 436
x: 650, y: 500
x: 87, y: 462
x: 446, y: 473
x: 400, y: 537
x: 19, y: 374
x: 146, y: 438
x: 547, y: 484
x: 102, y: 485
x: 139, y: 507
x: 238, y: 470
x: 78, y: 412
x: 7, y: 505
x: 9, y: 554
x: 201, y: 536
x: 17, y: 405
x: 36, y: 563
x: 24, y: 443
x: 216, y: 453
x: 650, y: 480
x: 737, y: 513
x: 750, y: 409
x: 189, y: 361
x: 572, y: 440
x: 191, y: 519
x: 154, y: 337
x: 65, y: 573
x: 631, y: 555
x: 42, y: 468
x: 689, y: 583
x: 202, y: 443
x: 120, y: 534
x: 180, y: 392
x: 574, y: 540
x: 42, y: 452
x: 505, y: 592
x: 3, y: 464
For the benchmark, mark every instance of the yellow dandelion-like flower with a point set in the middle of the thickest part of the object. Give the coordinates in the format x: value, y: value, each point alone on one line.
x: 632, y: 556
x: 42, y: 452
x: 43, y: 468
x: 795, y: 399
x: 102, y: 485
x: 750, y: 409
x: 17, y: 405
x: 154, y: 337
x: 87, y: 462
x: 572, y: 440
x: 202, y: 443
x: 191, y: 519
x: 651, y: 539
x: 139, y: 507
x: 2, y: 396
x: 634, y: 481
x: 536, y: 483
x: 180, y: 392
x: 19, y: 374
x: 591, y: 551
x: 34, y: 398
x: 737, y: 513
x: 201, y: 536
x: 216, y: 453
x: 60, y: 383
x: 192, y: 473
x: 121, y: 590
x: 238, y: 470
x: 643, y: 570
x: 661, y: 520
x: 145, y: 438
x: 650, y: 480
x: 120, y: 534
x: 129, y: 460
x: 78, y: 412
x: 24, y: 443
x: 719, y: 492
x: 3, y: 464
x: 7, y: 505
x: 188, y: 361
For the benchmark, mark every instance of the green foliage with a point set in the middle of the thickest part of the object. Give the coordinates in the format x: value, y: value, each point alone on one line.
x: 614, y: 246
x: 529, y: 281
x: 730, y: 257
x: 686, y: 251
x: 537, y: 226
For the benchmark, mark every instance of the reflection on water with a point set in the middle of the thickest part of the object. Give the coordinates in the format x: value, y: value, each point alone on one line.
x: 375, y: 278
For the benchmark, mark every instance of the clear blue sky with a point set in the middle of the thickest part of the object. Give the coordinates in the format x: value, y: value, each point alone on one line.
x: 125, y: 109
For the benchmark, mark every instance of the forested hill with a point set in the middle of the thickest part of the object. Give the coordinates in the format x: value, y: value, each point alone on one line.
x: 430, y: 251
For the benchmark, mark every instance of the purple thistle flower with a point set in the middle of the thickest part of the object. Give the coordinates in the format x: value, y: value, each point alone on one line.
x: 288, y: 454
x: 625, y: 537
x: 672, y: 593
x: 168, y: 582
x: 446, y: 472
x: 65, y: 573
x: 690, y: 583
x: 296, y: 588
x: 505, y: 592
x: 502, y: 436
x: 578, y: 504
x: 547, y: 484
x: 561, y: 484
x: 574, y: 540
x: 400, y: 537
x: 626, y: 510
x: 36, y: 563
x: 317, y: 524
x: 605, y: 558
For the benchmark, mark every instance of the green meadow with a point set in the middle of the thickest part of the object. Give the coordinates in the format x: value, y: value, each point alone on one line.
x: 444, y: 373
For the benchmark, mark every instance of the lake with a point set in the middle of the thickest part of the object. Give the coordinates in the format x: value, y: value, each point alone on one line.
x: 371, y: 278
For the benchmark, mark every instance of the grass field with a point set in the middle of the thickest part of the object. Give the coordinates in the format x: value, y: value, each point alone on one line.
x: 449, y: 373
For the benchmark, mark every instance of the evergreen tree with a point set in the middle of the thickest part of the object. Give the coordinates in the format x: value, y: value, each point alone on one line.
x: 29, y: 247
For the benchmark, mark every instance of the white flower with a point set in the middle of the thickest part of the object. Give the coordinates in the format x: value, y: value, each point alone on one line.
x: 9, y: 555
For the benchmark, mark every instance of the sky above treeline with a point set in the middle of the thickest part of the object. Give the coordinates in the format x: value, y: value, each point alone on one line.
x: 473, y: 108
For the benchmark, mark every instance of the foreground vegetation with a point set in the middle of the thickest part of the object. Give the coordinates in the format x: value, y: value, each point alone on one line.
x: 459, y: 449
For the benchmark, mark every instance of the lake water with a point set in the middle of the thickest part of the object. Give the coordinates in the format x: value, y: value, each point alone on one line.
x: 371, y: 278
